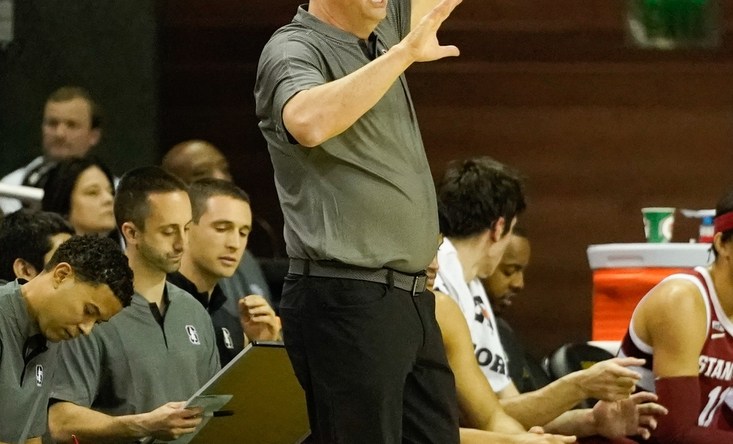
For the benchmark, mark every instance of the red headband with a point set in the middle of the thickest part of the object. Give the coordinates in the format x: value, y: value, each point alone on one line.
x: 724, y: 222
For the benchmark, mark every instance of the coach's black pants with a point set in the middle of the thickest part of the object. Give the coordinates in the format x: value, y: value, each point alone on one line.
x: 370, y: 358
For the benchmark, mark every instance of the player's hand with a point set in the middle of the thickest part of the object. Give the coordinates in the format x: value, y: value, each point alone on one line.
x: 258, y: 319
x: 537, y: 435
x: 609, y: 380
x: 629, y: 417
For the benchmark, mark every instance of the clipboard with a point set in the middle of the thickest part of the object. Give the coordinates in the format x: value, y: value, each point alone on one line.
x: 254, y: 399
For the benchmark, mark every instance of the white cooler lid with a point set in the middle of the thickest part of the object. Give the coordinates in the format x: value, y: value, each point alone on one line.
x: 649, y: 255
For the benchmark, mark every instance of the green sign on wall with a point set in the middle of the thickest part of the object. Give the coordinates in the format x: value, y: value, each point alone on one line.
x: 671, y: 24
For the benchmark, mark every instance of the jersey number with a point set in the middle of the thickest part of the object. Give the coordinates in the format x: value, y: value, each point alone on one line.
x: 715, y: 400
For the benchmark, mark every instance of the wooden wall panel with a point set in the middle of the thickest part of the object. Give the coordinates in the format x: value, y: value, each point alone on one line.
x: 599, y: 128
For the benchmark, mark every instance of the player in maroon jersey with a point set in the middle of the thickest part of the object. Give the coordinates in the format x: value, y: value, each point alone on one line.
x: 683, y: 329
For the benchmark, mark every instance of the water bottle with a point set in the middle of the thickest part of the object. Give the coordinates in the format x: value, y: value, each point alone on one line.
x: 707, y: 230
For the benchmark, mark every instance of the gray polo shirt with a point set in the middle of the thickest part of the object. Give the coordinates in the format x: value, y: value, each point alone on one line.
x: 365, y: 197
x: 133, y: 364
x: 27, y: 363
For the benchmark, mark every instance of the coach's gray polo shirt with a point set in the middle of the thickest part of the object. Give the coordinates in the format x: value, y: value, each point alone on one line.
x: 133, y: 364
x: 365, y: 197
x: 26, y: 365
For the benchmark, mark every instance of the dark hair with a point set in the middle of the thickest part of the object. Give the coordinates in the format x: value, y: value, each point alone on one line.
x: 97, y: 261
x: 62, y: 178
x: 475, y: 193
x: 26, y: 235
x: 201, y: 190
x: 66, y: 93
x: 131, y: 198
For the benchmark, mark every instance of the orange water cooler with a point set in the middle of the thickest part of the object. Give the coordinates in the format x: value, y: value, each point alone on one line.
x: 624, y: 273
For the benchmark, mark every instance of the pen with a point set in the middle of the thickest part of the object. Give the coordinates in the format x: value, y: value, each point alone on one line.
x: 219, y: 413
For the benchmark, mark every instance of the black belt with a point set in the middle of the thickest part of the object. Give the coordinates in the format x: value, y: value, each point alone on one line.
x: 414, y: 283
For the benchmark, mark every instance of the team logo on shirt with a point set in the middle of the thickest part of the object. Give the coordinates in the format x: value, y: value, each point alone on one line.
x: 193, y: 336
x: 228, y: 342
x: 39, y: 375
x: 481, y: 314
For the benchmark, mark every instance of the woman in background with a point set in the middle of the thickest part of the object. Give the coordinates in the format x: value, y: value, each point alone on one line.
x: 81, y: 189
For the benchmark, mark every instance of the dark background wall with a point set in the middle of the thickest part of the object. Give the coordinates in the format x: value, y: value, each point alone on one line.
x: 599, y: 128
x: 109, y: 48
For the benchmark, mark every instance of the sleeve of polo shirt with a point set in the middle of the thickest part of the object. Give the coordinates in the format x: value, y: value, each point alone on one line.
x: 79, y: 371
x: 289, y: 66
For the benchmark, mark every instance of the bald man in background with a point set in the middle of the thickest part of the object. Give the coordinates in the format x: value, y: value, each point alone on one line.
x: 192, y: 160
x: 196, y: 159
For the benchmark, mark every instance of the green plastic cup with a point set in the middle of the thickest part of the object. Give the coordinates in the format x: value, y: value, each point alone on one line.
x: 658, y: 223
